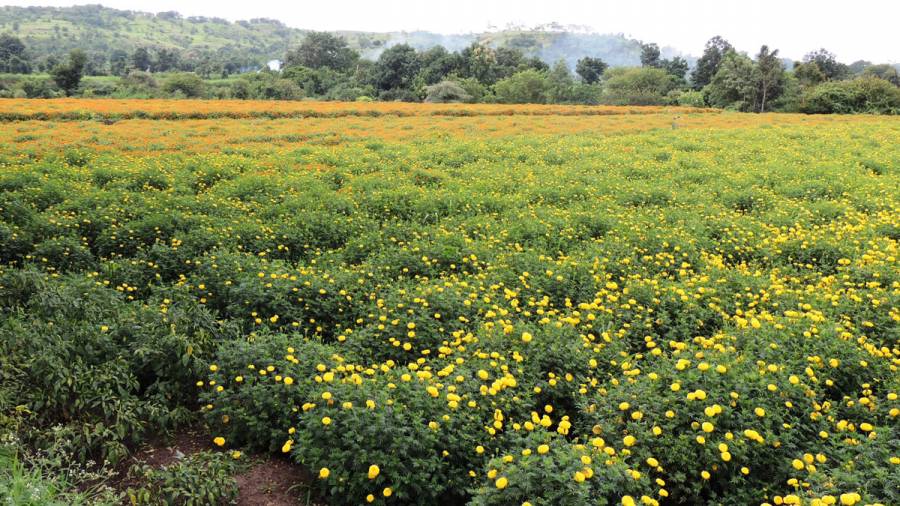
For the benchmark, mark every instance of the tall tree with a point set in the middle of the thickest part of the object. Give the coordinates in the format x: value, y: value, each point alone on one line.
x: 140, y: 59
x: 590, y: 69
x: 437, y: 63
x: 708, y: 64
x: 396, y: 68
x: 322, y: 49
x: 808, y: 74
x: 883, y: 71
x: 828, y: 64
x: 734, y: 85
x: 68, y: 75
x: 166, y: 60
x: 650, y: 55
x: 769, y: 77
x: 560, y: 85
x: 676, y: 67
x: 118, y: 62
x: 12, y: 55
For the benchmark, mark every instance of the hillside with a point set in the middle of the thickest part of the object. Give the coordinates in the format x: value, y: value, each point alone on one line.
x: 52, y: 32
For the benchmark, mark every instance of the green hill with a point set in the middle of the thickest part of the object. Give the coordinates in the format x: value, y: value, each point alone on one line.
x: 50, y: 32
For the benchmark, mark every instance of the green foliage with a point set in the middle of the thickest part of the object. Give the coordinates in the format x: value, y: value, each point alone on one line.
x: 446, y: 91
x: 396, y: 68
x: 105, y: 372
x: 185, y: 84
x: 638, y: 86
x: 322, y: 50
x: 590, y: 69
x: 525, y: 87
x: 734, y: 86
x: 200, y: 479
x: 828, y: 65
x: 68, y: 75
x: 12, y: 55
x: 708, y: 64
x: 861, y: 95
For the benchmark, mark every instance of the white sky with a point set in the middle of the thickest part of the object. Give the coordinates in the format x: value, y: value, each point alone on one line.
x: 853, y: 30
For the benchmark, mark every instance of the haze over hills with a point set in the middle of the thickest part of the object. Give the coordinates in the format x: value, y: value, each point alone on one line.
x: 52, y: 32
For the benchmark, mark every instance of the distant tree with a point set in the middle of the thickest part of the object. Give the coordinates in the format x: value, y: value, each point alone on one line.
x: 529, y: 86
x: 474, y: 88
x: 436, y: 64
x: 118, y: 62
x: 650, y: 55
x: 708, y: 64
x: 396, y: 68
x: 769, y: 77
x: 446, y: 91
x: 590, y: 69
x: 862, y: 95
x: 857, y: 67
x: 884, y: 71
x: 140, y: 59
x: 734, y: 85
x: 828, y: 64
x: 560, y: 84
x: 68, y: 75
x: 166, y: 60
x: 187, y: 84
x: 314, y: 82
x: 12, y: 55
x: 322, y: 49
x: 636, y: 86
x: 676, y: 67
x: 139, y: 83
x: 479, y: 62
x: 808, y: 74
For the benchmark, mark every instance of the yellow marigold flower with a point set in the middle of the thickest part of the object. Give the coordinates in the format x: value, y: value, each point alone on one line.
x: 373, y: 471
x: 628, y: 501
x: 542, y: 449
x: 629, y: 440
x: 324, y: 473
x: 501, y: 482
x: 387, y: 492
x: 219, y: 441
x: 579, y: 476
x: 326, y: 420
x: 526, y: 337
x: 850, y: 499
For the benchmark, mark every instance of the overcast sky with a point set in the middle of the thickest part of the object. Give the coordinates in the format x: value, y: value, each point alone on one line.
x: 857, y: 29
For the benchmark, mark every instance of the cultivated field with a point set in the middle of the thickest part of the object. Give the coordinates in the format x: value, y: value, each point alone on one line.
x: 500, y: 305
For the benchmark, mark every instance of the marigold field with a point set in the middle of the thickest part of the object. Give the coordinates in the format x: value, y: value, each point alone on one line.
x: 487, y: 305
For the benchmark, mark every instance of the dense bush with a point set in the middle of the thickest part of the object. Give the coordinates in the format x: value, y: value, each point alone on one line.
x: 862, y: 95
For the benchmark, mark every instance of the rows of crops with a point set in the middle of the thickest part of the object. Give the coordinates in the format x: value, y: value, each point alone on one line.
x: 670, y: 308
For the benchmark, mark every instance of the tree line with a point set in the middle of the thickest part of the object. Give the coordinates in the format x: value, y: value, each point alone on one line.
x: 323, y: 66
